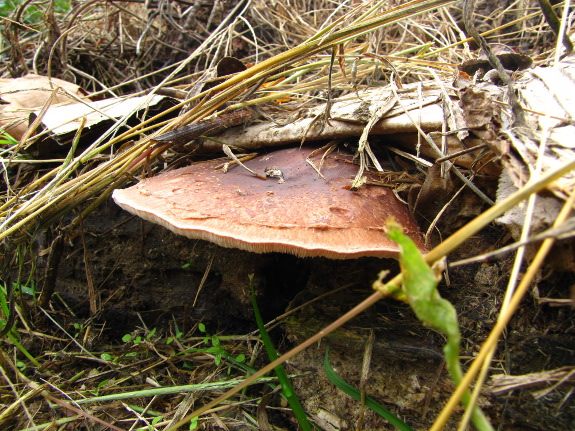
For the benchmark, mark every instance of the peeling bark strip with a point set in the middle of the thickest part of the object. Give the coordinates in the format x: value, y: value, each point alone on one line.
x: 188, y: 133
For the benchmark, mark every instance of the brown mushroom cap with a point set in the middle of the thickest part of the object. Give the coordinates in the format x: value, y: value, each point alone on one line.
x: 305, y: 215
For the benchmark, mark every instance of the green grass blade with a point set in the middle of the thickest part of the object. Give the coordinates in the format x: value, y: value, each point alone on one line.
x: 287, y: 388
x: 353, y: 392
x: 25, y: 352
x: 169, y: 390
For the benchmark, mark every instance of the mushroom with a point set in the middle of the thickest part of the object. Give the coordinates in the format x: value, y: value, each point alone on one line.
x: 294, y: 211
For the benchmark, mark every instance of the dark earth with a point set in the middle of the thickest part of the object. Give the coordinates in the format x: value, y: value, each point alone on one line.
x: 142, y: 272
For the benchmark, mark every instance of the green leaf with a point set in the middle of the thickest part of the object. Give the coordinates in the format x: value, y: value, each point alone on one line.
x: 106, y: 356
x: 194, y: 423
x: 201, y: 327
x: 151, y: 333
x: 127, y: 338
x: 215, y: 350
x: 420, y: 285
x: 420, y: 288
x: 28, y: 290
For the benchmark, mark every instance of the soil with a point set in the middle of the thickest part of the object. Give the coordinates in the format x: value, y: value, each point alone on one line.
x: 140, y: 272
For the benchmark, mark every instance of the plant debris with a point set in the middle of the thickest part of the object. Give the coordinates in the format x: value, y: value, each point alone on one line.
x: 112, y: 322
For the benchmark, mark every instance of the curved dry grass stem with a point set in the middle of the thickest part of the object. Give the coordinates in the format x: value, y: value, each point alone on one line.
x: 488, y: 347
x: 506, y: 310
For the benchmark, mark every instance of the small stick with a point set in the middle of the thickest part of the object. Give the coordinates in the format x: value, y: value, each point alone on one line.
x: 461, y: 153
x: 232, y: 156
x: 365, y: 376
x: 216, y: 124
